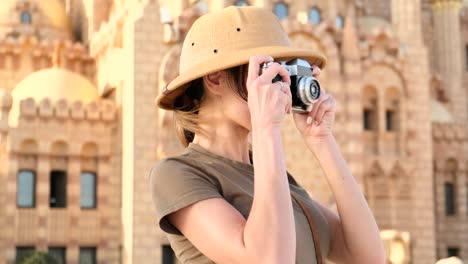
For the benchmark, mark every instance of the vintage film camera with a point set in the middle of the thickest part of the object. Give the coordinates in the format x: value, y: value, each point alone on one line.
x: 305, y: 89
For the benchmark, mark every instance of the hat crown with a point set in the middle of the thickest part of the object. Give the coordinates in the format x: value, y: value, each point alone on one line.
x: 232, y: 29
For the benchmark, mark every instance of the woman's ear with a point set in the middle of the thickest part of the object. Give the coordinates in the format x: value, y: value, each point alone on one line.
x: 213, y: 83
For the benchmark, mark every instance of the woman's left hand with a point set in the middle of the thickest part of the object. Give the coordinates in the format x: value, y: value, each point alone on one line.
x: 318, y: 124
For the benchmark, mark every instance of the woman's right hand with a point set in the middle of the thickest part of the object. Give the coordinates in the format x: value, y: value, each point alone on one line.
x: 268, y: 102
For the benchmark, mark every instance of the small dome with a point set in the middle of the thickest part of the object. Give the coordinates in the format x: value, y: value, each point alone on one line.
x: 55, y: 84
x: 48, y: 14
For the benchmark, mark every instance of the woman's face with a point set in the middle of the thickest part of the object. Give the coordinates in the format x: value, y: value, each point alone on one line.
x: 236, y: 109
x: 224, y: 100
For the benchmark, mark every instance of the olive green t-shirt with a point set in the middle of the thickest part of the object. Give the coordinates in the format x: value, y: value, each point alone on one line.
x: 198, y: 174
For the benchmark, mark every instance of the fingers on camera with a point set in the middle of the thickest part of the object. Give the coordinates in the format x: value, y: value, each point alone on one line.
x: 254, y: 66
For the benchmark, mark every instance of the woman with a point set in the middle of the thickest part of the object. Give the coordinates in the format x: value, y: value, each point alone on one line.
x: 207, y: 200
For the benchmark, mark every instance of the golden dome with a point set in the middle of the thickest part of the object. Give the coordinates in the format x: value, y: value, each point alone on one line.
x: 52, y: 13
x: 55, y: 84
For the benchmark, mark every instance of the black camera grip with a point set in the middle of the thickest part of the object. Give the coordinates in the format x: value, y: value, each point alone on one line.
x: 277, y: 78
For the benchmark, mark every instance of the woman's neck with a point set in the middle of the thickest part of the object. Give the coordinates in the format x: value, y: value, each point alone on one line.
x: 225, y: 139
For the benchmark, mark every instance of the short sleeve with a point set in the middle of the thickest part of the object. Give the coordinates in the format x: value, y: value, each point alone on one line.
x: 176, y: 184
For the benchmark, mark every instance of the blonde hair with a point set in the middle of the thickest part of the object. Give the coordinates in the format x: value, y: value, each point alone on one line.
x: 187, y: 106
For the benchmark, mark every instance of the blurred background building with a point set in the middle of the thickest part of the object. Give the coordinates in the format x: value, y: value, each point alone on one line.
x: 79, y: 130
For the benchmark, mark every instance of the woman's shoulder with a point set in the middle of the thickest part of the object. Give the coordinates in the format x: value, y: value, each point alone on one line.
x: 180, y: 169
x: 186, y: 160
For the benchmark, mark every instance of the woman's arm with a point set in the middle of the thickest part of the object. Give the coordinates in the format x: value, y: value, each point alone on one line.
x: 221, y: 233
x: 268, y: 235
x: 355, y: 235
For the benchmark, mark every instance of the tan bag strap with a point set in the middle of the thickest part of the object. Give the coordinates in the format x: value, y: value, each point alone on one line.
x: 313, y: 229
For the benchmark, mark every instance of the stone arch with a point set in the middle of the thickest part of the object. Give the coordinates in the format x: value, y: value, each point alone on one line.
x: 393, y: 114
x: 89, y: 157
x: 89, y: 149
x: 393, y: 108
x: 59, y: 152
x: 370, y: 119
x: 451, y: 165
x: 28, y: 150
x: 370, y: 107
x: 391, y: 92
x: 383, y: 75
x: 316, y: 37
x: 28, y: 146
x: 59, y: 148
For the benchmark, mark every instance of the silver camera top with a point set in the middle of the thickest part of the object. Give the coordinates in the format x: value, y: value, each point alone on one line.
x: 305, y: 89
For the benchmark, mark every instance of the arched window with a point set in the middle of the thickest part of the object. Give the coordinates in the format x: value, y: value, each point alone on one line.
x: 392, y: 110
x: 339, y: 21
x: 370, y: 109
x: 281, y: 10
x: 315, y: 16
x: 26, y: 194
x: 88, y: 195
x: 451, y: 167
x: 241, y: 3
x: 26, y: 17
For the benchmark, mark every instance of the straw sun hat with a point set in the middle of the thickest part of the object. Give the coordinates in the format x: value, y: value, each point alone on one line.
x: 226, y: 39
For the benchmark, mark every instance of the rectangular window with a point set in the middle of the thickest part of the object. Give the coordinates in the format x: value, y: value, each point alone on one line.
x: 23, y: 252
x: 25, y: 196
x: 88, y: 190
x: 87, y: 255
x: 449, y: 199
x: 466, y: 49
x: 58, y: 189
x: 453, y: 252
x: 390, y: 120
x: 168, y: 256
x: 58, y: 253
x: 367, y: 119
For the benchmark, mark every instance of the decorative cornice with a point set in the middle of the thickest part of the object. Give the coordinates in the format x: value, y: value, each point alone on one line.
x: 438, y: 5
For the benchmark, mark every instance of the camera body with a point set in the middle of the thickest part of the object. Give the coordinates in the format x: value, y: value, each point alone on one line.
x: 305, y: 89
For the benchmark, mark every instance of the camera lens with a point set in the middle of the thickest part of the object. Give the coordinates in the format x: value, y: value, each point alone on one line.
x: 314, y: 90
x: 308, y: 90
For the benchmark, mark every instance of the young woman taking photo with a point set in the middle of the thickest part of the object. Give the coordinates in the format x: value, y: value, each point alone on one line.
x: 215, y: 201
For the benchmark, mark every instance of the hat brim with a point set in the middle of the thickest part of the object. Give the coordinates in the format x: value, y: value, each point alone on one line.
x: 175, y: 88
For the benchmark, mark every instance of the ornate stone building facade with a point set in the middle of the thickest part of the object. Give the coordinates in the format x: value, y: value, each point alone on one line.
x: 79, y: 130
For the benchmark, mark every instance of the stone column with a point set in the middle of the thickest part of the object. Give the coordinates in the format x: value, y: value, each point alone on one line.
x: 448, y: 54
x: 331, y: 11
x: 406, y: 20
x: 5, y: 106
x: 352, y: 75
x: 73, y: 207
x: 42, y: 194
x: 144, y: 48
